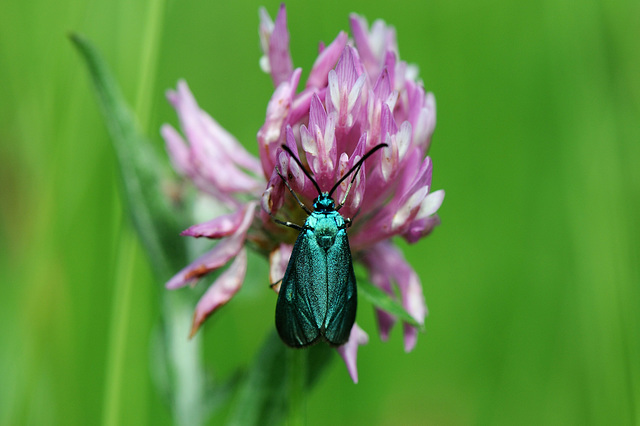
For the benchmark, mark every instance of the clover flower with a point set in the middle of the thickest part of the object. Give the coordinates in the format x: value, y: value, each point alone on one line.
x: 358, y: 94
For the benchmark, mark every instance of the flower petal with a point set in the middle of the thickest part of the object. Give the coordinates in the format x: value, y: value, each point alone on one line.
x: 345, y: 88
x: 178, y: 150
x: 273, y: 197
x: 277, y: 113
x: 265, y: 29
x: 360, y: 29
x: 426, y: 219
x: 278, y: 262
x: 357, y: 190
x: 230, y: 146
x: 386, y: 263
x: 412, y: 300
x: 409, y: 209
x: 326, y: 61
x: 319, y: 143
x: 431, y: 204
x: 221, y: 291
x: 218, y: 256
x: 373, y: 45
x: 349, y: 351
x: 279, y: 56
x: 219, y: 227
x: 420, y: 228
x: 215, y: 157
x: 422, y: 114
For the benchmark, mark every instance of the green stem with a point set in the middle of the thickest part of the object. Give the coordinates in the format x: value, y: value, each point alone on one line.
x: 120, y: 311
x: 183, y: 355
x: 184, y: 358
x: 297, y: 376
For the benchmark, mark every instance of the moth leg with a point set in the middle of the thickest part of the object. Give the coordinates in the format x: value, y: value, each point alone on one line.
x: 287, y: 223
x: 276, y: 283
x: 305, y: 208
x: 347, y: 220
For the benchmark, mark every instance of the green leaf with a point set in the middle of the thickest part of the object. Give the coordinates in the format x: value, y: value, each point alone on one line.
x: 264, y: 397
x: 156, y: 222
x: 382, y: 300
x: 179, y: 370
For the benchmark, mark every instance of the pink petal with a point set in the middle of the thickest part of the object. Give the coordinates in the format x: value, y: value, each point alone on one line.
x: 230, y: 145
x: 277, y: 112
x: 378, y: 274
x: 221, y: 291
x: 214, y: 153
x: 411, y: 291
x: 210, y: 261
x: 409, y: 204
x: 373, y: 45
x: 379, y: 227
x: 422, y: 114
x: 218, y: 256
x: 412, y: 300
x: 219, y: 227
x: 386, y: 321
x: 431, y: 204
x: 279, y: 55
x: 390, y: 154
x: 390, y: 66
x: 349, y: 351
x: 326, y: 61
x: 264, y: 31
x: 278, y: 262
x: 410, y: 337
x: 177, y: 149
x: 360, y: 31
x: 357, y: 191
x: 385, y: 262
x: 382, y: 88
x: 317, y: 114
x: 345, y: 68
x: 345, y: 88
x: 420, y: 228
x: 273, y: 197
x: 296, y: 178
x: 319, y: 143
x: 409, y: 209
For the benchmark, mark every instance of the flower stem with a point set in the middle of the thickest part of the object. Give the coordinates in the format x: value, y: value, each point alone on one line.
x: 184, y: 361
x: 120, y: 311
x: 184, y: 357
x: 297, y: 376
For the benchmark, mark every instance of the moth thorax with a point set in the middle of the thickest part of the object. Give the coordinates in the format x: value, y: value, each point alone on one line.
x: 325, y: 232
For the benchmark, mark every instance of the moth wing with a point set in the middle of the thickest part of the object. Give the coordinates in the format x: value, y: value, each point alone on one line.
x: 302, y: 300
x: 342, y: 291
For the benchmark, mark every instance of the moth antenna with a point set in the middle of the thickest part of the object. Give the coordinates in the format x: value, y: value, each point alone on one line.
x: 356, y: 167
x: 306, y: 172
x: 344, y: 199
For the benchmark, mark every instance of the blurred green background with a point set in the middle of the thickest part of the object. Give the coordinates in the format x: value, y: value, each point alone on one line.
x: 532, y: 280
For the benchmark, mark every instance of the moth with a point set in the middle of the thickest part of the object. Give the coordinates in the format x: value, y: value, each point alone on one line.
x: 318, y: 297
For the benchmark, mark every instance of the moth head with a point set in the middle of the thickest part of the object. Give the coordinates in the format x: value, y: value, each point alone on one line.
x: 324, y: 203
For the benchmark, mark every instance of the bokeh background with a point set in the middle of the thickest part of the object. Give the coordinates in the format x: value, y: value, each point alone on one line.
x: 532, y: 280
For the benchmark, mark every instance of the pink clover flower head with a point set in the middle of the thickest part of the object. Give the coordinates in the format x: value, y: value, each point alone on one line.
x: 358, y: 94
